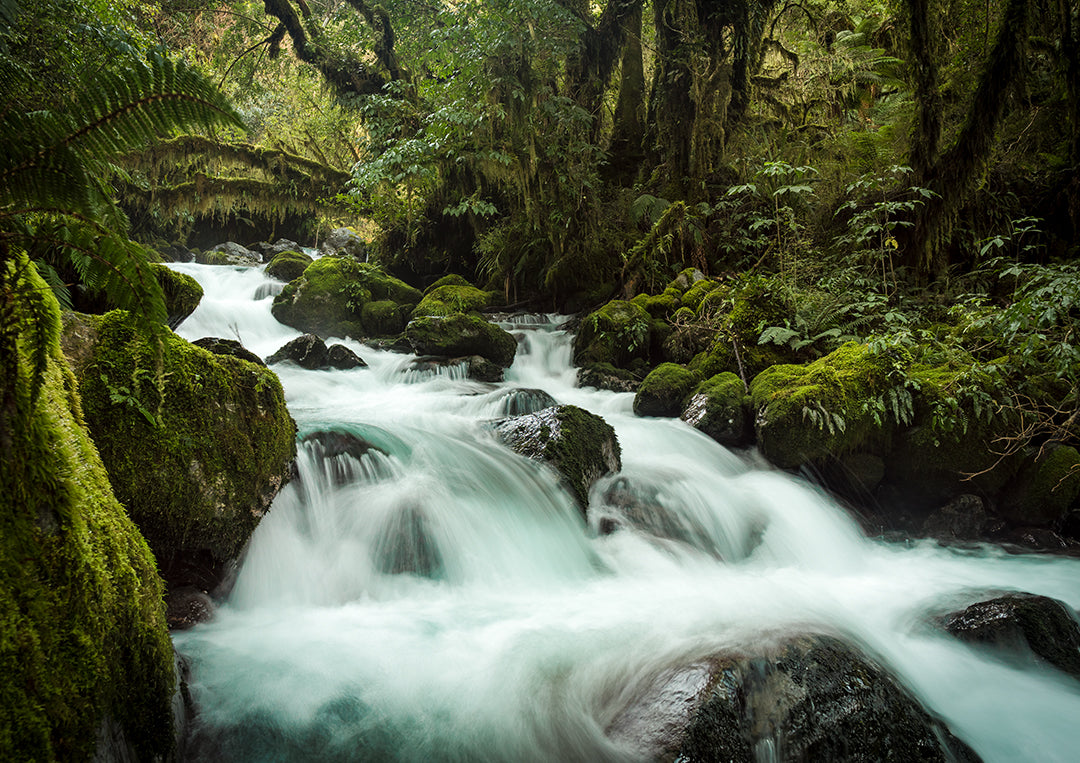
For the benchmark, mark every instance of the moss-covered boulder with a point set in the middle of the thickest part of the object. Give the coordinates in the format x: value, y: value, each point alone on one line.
x: 288, y: 266
x: 330, y: 297
x: 461, y: 334
x: 182, y: 293
x: 806, y: 413
x: 660, y: 305
x: 663, y: 391
x: 720, y: 407
x: 229, y: 253
x: 196, y: 485
x: 83, y: 641
x: 579, y: 445
x: 1046, y: 488
x: 452, y: 298
x: 450, y: 279
x: 693, y: 295
x: 618, y: 333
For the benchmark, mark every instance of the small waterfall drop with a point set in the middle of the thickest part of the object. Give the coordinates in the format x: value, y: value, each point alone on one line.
x: 421, y: 593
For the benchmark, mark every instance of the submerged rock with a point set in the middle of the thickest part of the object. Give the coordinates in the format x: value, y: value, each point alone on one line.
x: 607, y: 376
x: 579, y: 445
x: 220, y: 346
x: 1022, y: 626
x: 811, y: 697
x: 196, y: 454
x: 307, y: 351
x: 404, y: 545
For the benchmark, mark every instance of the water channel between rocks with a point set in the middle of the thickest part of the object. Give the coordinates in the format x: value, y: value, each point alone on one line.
x: 534, y: 630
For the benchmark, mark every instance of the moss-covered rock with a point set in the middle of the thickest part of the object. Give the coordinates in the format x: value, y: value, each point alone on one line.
x: 581, y: 446
x: 663, y: 391
x: 693, y: 296
x: 1045, y: 489
x: 182, y: 293
x: 329, y: 298
x: 461, y: 334
x: 288, y: 266
x: 607, y: 376
x: 661, y: 305
x: 720, y: 407
x: 83, y: 641
x: 384, y: 317
x: 451, y: 279
x: 452, y: 298
x: 196, y: 485
x: 618, y: 333
x: 806, y: 413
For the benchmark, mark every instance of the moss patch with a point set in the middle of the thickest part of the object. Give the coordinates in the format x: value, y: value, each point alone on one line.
x: 618, y: 333
x: 328, y: 299
x: 452, y: 298
x: 191, y: 483
x: 720, y: 407
x: 182, y: 293
x: 808, y: 412
x: 458, y: 335
x: 664, y: 389
x: 288, y: 266
x: 82, y: 623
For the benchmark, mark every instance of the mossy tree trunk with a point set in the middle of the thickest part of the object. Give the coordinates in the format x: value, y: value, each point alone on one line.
x: 626, y: 151
x: 952, y: 175
x: 923, y: 37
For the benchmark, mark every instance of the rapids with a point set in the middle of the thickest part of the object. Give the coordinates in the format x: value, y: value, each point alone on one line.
x: 533, y: 630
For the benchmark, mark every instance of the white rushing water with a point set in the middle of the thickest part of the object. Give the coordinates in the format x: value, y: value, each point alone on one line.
x: 532, y: 629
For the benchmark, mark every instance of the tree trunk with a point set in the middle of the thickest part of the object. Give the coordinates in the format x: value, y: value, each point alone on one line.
x: 628, y: 132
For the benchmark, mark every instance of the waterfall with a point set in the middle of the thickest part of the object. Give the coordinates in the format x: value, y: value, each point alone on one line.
x: 421, y: 593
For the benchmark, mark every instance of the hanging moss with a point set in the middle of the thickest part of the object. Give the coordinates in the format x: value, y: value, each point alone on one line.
x: 82, y: 623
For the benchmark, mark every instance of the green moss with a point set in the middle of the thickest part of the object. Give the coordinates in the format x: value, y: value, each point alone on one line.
x: 757, y: 305
x: 1053, y: 487
x: 288, y: 266
x: 720, y: 407
x: 459, y: 335
x: 328, y: 299
x: 182, y: 293
x: 452, y: 279
x: 659, y: 306
x: 383, y: 317
x: 617, y: 333
x: 452, y: 298
x: 82, y: 623
x: 808, y: 412
x: 663, y: 391
x: 586, y: 450
x: 693, y: 296
x: 191, y: 483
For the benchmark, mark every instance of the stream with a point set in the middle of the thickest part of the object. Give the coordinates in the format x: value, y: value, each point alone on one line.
x: 534, y: 629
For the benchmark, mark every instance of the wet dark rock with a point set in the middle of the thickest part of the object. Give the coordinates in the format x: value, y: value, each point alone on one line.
x: 344, y: 241
x: 341, y: 357
x: 1032, y: 538
x: 963, y: 518
x: 186, y: 607
x: 607, y: 376
x: 220, y: 346
x: 483, y: 370
x: 307, y: 351
x: 269, y: 251
x: 1022, y: 627
x: 404, y: 545
x: 579, y: 445
x: 807, y: 698
x: 341, y: 455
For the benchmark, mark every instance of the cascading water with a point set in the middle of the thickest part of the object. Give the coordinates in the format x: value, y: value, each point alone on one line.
x: 421, y: 593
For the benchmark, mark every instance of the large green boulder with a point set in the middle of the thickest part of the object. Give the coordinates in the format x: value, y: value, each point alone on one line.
x: 182, y: 293
x: 287, y: 266
x: 663, y: 391
x: 720, y: 407
x: 329, y: 298
x: 579, y: 445
x: 196, y: 485
x: 84, y: 649
x: 452, y: 298
x: 806, y: 413
x: 618, y: 333
x: 460, y: 335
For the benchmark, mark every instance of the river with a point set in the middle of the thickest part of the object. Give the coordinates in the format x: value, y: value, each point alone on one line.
x: 534, y: 629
